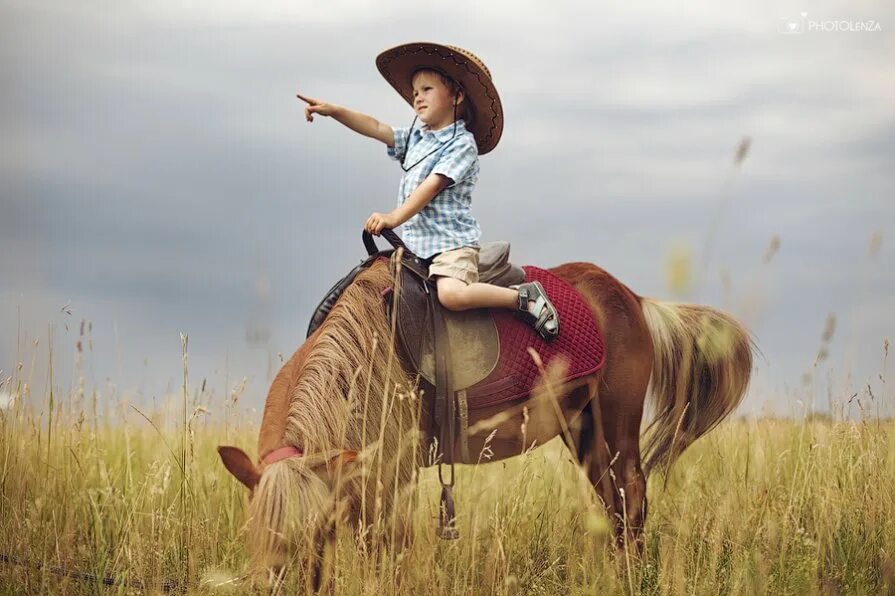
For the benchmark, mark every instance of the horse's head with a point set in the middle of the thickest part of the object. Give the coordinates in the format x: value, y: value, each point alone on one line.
x: 293, y: 501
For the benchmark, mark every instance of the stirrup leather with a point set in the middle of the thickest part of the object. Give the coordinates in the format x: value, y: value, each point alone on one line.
x: 546, y: 322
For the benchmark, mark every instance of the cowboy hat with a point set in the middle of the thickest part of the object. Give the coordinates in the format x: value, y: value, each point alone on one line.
x: 398, y: 64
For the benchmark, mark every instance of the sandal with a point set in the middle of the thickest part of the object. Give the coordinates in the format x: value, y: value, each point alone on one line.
x: 546, y: 323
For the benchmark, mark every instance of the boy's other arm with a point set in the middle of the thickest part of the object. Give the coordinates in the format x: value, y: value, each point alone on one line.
x: 419, y: 198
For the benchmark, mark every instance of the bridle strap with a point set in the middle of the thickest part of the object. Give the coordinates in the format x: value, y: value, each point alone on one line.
x: 282, y: 453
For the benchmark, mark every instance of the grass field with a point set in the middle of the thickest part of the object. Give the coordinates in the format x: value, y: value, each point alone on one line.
x: 91, y: 485
x: 757, y: 506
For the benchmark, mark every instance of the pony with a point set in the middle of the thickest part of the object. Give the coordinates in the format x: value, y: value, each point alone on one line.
x: 343, y: 433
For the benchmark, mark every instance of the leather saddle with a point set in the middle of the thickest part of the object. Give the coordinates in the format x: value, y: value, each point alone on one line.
x: 471, y: 335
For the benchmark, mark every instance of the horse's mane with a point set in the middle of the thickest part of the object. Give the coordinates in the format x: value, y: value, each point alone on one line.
x: 351, y: 393
x: 350, y: 372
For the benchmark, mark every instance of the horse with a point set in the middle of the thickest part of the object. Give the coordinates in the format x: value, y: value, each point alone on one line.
x: 342, y: 435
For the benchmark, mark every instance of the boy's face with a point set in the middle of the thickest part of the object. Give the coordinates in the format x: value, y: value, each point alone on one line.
x: 432, y: 100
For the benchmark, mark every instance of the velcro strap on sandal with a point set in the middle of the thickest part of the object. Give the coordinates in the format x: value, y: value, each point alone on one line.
x: 524, y: 294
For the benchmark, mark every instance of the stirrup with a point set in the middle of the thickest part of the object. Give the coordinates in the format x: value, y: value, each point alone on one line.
x: 546, y: 322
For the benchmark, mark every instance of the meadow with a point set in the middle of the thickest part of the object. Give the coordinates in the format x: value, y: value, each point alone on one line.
x: 762, y: 505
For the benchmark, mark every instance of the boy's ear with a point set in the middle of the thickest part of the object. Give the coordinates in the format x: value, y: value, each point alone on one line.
x: 240, y: 465
x: 459, y: 97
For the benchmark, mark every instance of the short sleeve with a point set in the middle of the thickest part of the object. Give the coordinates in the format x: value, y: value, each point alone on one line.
x: 458, y: 160
x: 397, y: 152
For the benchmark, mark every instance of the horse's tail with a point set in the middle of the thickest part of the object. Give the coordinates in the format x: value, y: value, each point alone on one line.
x: 702, y: 361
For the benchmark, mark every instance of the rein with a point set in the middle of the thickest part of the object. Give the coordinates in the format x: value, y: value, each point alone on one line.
x: 168, y: 585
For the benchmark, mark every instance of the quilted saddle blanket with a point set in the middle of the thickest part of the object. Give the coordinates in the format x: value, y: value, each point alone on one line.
x: 579, y: 343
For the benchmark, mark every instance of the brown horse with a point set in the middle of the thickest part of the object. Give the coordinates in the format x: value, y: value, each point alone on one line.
x: 346, y: 402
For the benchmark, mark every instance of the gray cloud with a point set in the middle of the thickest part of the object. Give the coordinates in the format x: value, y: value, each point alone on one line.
x: 157, y: 166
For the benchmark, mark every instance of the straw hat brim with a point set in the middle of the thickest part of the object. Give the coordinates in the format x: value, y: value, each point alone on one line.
x: 398, y: 64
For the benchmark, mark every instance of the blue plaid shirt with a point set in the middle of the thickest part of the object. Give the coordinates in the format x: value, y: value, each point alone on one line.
x: 446, y: 222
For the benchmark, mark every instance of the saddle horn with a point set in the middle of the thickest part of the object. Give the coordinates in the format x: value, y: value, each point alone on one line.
x: 389, y: 236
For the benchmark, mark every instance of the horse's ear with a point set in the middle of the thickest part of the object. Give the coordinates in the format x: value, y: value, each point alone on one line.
x: 240, y: 465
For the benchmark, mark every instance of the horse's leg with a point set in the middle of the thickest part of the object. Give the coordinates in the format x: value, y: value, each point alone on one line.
x: 321, y: 565
x: 610, y: 446
x: 401, y: 507
x: 591, y: 450
x: 621, y: 425
x: 385, y: 529
x: 620, y: 401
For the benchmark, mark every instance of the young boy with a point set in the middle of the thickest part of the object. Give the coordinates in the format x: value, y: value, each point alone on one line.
x: 451, y: 92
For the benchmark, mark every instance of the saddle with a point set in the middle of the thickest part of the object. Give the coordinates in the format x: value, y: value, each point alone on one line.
x: 469, y: 339
x: 471, y: 335
x: 450, y: 350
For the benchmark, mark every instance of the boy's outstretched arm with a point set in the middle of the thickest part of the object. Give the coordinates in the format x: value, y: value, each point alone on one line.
x: 360, y: 123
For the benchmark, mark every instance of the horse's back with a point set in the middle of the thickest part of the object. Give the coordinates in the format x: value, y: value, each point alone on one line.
x: 616, y: 307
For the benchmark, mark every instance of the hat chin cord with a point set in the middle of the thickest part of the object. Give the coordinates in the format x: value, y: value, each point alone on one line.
x: 407, y: 140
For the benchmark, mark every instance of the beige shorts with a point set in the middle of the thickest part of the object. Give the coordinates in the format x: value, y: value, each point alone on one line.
x: 460, y: 263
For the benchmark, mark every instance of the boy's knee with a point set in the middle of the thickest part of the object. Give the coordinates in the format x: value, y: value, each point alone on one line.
x: 451, y: 294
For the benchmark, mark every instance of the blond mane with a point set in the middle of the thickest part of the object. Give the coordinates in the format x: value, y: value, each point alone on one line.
x: 351, y: 366
x: 351, y: 394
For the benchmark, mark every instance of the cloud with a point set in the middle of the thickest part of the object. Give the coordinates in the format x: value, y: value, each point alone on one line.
x: 159, y: 162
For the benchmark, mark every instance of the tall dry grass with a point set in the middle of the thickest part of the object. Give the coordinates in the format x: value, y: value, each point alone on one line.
x: 757, y: 506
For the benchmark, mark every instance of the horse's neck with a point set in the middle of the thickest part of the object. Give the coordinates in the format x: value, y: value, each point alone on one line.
x: 276, y: 407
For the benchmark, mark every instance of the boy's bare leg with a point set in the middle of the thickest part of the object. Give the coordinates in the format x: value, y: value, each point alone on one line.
x: 457, y: 295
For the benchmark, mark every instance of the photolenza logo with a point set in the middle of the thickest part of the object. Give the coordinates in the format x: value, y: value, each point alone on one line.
x: 805, y: 25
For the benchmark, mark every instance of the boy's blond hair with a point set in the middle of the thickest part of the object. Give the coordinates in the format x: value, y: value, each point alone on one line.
x: 465, y: 109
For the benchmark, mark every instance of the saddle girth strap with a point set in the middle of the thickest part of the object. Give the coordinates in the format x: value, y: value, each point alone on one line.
x: 445, y: 412
x: 445, y: 415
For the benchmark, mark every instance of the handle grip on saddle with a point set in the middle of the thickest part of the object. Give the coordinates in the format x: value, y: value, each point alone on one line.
x: 389, y: 236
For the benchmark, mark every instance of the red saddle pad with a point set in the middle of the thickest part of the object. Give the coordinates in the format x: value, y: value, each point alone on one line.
x: 579, y: 342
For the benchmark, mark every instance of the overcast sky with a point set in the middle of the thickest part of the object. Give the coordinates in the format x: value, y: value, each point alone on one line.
x: 157, y: 175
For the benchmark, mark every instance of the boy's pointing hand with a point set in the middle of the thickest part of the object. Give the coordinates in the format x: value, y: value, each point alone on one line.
x: 315, y: 106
